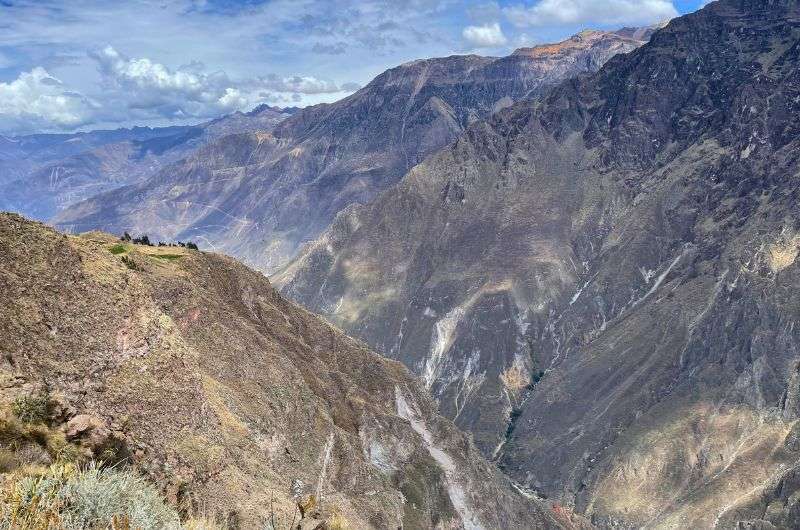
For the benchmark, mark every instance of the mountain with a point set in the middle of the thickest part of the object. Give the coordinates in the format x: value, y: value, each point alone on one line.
x: 261, y: 196
x: 601, y: 285
x: 192, y: 369
x: 42, y: 174
x: 19, y: 156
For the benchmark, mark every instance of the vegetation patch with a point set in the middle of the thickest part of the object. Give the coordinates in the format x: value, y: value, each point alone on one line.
x: 167, y: 257
x: 145, y: 240
x: 31, y: 408
x: 118, y: 249
x: 31, y: 443
x: 66, y: 496
x: 130, y: 263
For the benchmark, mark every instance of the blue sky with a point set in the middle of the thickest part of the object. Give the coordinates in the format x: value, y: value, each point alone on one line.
x: 81, y: 64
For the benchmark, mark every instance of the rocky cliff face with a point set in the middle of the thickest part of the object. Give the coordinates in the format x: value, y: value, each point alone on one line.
x: 40, y: 175
x: 600, y: 286
x: 194, y: 370
x: 260, y: 196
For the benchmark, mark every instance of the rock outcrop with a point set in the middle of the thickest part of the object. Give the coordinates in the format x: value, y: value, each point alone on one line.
x: 601, y: 286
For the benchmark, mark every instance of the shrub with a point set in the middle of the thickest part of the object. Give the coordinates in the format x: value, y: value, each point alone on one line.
x: 130, y: 263
x: 338, y: 522
x: 31, y: 408
x: 8, y: 460
x: 16, y: 436
x: 191, y: 245
x: 117, y: 249
x: 64, y: 496
x: 167, y: 257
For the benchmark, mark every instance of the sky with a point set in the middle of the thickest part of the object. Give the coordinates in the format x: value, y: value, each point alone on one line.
x: 70, y: 65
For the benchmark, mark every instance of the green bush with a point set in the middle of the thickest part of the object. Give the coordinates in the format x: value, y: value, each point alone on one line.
x: 167, y: 257
x: 130, y: 263
x: 65, y: 496
x: 31, y: 408
x: 118, y: 249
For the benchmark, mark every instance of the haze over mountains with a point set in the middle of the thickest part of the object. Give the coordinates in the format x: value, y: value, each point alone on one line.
x: 585, y: 253
x: 260, y: 195
x: 40, y: 175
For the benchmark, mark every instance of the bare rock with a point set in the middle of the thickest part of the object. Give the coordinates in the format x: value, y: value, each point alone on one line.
x: 90, y: 431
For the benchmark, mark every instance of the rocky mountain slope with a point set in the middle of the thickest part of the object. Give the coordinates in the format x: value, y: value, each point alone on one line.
x: 190, y: 367
x: 260, y: 196
x: 42, y: 174
x: 601, y: 286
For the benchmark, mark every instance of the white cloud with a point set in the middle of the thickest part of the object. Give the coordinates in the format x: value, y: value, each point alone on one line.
x: 300, y: 85
x: 147, y: 75
x: 190, y: 91
x: 140, y: 90
x: 486, y: 36
x: 566, y: 12
x: 246, y: 40
x: 36, y: 99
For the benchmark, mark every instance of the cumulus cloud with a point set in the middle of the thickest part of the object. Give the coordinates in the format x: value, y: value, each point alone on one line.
x: 566, y: 12
x: 141, y: 90
x: 486, y: 36
x: 190, y: 91
x: 300, y: 84
x: 36, y: 99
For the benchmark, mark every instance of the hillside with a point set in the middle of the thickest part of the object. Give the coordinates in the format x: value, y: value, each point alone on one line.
x: 42, y: 174
x: 259, y: 197
x: 600, y: 286
x: 192, y: 369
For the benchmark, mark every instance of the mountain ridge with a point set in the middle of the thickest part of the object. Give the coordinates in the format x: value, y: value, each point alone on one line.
x: 556, y: 276
x: 45, y: 173
x: 233, y: 400
x: 262, y: 207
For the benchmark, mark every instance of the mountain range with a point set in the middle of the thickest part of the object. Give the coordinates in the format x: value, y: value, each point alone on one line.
x: 598, y: 285
x: 227, y: 396
x: 43, y: 174
x: 260, y: 195
x: 583, y: 256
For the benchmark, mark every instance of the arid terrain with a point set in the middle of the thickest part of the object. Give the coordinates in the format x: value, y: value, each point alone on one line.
x: 599, y: 286
x: 552, y: 288
x: 192, y: 369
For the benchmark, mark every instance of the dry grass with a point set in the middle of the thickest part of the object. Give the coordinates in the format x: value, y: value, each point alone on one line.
x: 16, y: 435
x: 338, y: 522
x: 783, y: 254
x: 515, y: 378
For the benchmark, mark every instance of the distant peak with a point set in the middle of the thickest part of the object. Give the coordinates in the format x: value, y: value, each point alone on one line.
x: 585, y: 39
x: 264, y: 108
